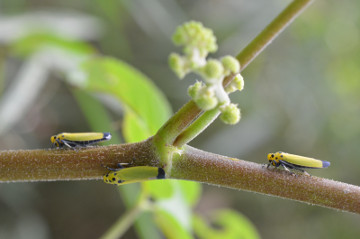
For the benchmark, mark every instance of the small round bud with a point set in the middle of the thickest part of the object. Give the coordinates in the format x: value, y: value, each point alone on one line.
x: 230, y: 114
x: 194, y: 89
x: 213, y: 69
x: 206, y: 99
x: 231, y: 65
x: 194, y: 35
x: 180, y: 37
x: 236, y: 84
x: 207, y: 42
x: 176, y: 63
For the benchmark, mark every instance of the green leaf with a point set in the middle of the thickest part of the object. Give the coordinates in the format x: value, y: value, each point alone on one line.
x: 230, y: 225
x: 36, y: 41
x: 165, y: 189
x: 171, y: 226
x: 191, y: 191
x: 134, y: 128
x: 176, y: 198
x: 159, y: 189
x: 146, y: 104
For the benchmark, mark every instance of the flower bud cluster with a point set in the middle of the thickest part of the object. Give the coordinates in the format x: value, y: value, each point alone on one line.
x: 197, y: 42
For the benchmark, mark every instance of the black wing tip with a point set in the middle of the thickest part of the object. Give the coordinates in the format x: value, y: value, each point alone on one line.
x: 161, y: 173
x: 325, y: 164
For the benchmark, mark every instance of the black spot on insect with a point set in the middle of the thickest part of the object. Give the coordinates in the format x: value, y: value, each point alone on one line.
x: 107, y: 175
x: 119, y: 181
x: 115, y: 174
x: 161, y: 173
x: 113, y: 179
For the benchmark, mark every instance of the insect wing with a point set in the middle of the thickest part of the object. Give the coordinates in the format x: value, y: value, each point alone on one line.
x: 72, y: 140
x: 303, y: 162
x: 78, y: 137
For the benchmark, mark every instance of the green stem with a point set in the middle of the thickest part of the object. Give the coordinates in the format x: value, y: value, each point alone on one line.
x: 132, y: 194
x: 189, y: 114
x: 197, y: 127
x: 119, y: 228
x: 177, y: 123
x: 199, y: 124
x: 261, y: 41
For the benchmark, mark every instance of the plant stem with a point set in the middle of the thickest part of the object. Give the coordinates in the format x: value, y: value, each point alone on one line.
x: 177, y: 123
x: 192, y: 164
x: 200, y: 166
x: 261, y: 41
x: 197, y: 127
x: 132, y: 194
x: 118, y: 229
x: 189, y: 113
x: 68, y: 164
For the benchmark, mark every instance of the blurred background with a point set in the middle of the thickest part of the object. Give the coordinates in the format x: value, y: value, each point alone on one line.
x: 302, y: 96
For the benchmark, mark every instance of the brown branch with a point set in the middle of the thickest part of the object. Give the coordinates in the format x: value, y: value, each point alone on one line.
x: 218, y: 170
x: 68, y: 164
x: 189, y: 164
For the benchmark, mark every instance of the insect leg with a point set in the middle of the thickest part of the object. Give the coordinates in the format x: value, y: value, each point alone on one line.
x: 303, y: 171
x: 66, y: 143
x: 287, y: 169
x: 120, y: 166
x: 58, y: 143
